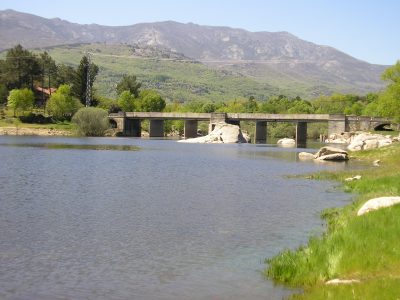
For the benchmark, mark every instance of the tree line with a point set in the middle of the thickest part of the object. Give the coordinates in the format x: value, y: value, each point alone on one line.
x: 22, y: 70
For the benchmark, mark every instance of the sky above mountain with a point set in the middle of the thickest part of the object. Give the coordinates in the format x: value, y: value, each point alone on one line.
x: 367, y: 30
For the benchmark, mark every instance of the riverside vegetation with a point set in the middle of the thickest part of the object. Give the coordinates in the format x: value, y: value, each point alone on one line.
x: 364, y: 248
x: 23, y: 70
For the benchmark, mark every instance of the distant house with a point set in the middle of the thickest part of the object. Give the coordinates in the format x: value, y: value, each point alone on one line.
x: 42, y: 95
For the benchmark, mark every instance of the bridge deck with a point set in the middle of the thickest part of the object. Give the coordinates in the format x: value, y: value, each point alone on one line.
x: 245, y: 117
x: 229, y: 116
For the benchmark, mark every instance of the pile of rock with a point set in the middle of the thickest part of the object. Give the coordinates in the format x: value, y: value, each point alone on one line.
x: 223, y: 133
x: 361, y: 140
x: 342, y: 138
x: 366, y: 141
x: 325, y: 153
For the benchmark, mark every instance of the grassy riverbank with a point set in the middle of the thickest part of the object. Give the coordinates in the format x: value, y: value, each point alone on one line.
x: 365, y: 248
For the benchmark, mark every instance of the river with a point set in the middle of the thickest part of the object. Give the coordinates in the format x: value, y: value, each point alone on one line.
x: 168, y: 221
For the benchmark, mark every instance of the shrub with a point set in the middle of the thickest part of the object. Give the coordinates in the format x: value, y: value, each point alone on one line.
x: 62, y: 105
x: 114, y: 108
x: 21, y: 99
x: 91, y: 121
x: 127, y: 101
x: 32, y: 118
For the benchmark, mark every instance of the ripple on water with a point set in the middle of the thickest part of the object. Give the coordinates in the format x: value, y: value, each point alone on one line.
x: 171, y: 221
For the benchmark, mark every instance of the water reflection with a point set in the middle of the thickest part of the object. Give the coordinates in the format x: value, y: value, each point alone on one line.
x: 172, y: 221
x: 54, y: 146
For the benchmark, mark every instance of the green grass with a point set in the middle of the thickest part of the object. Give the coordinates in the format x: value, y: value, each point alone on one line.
x: 378, y: 288
x: 365, y: 248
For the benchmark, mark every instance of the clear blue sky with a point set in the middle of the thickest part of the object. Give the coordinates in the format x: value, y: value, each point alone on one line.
x: 368, y: 30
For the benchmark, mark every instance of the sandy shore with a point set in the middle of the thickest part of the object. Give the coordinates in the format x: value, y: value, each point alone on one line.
x: 33, y: 131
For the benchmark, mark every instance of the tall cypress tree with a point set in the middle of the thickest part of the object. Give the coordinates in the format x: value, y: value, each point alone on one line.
x: 80, y: 82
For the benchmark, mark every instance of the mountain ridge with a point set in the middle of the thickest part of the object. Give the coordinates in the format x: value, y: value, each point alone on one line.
x: 262, y: 55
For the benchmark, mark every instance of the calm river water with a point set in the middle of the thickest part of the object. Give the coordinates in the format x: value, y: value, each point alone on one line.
x: 170, y: 221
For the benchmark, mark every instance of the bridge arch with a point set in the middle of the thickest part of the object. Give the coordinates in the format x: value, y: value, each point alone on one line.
x: 382, y: 127
x: 113, y: 123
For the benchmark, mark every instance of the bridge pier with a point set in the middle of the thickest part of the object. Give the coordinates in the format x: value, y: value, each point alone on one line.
x: 216, y: 118
x: 301, y: 134
x: 132, y: 127
x: 337, y: 124
x: 190, y: 129
x: 156, y: 128
x: 260, y: 134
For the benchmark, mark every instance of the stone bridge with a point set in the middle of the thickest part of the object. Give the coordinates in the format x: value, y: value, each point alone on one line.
x: 129, y: 123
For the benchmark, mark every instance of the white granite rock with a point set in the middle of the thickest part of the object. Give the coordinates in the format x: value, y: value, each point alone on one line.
x: 223, y: 133
x: 377, y: 203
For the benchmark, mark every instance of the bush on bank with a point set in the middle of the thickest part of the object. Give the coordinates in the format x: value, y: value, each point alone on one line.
x: 91, y: 121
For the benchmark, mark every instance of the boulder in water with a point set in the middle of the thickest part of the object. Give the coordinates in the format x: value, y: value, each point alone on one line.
x: 286, y: 142
x: 223, y: 133
x: 306, y: 156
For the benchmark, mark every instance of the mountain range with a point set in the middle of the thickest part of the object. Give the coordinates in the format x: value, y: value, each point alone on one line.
x: 277, y: 59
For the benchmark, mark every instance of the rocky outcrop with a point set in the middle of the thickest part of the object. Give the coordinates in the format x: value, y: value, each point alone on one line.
x: 286, y: 142
x: 342, y: 138
x: 325, y: 153
x: 357, y: 177
x: 331, y: 153
x: 341, y: 281
x: 246, y: 136
x: 376, y: 163
x: 334, y: 157
x: 361, y: 140
x: 377, y: 203
x: 367, y: 141
x: 223, y: 133
x: 306, y: 156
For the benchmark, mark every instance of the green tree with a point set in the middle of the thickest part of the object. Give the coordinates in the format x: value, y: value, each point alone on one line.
x: 371, y: 97
x: 62, y: 105
x: 233, y: 106
x: 276, y: 105
x: 151, y: 101
x: 209, y: 107
x: 250, y: 106
x: 301, y: 107
x: 79, y: 86
x: 20, y: 68
x: 3, y: 94
x: 389, y: 101
x: 126, y: 101
x: 65, y: 75
x: 49, y: 69
x: 129, y: 83
x: 334, y: 104
x: 20, y: 100
x: 91, y: 121
x: 392, y: 74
